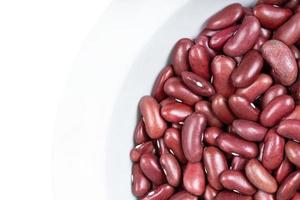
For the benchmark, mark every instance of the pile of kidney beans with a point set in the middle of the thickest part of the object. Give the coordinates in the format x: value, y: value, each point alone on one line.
x: 223, y: 120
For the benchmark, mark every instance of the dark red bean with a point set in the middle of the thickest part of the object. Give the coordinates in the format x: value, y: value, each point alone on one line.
x: 249, y: 130
x: 175, y: 112
x: 204, y: 107
x: 162, y: 192
x: 289, y: 186
x: 218, y: 40
x: 161, y: 146
x: 297, y: 196
x: 209, y: 32
x: 194, y: 178
x: 261, y: 151
x: 238, y: 163
x: 180, y: 55
x: 271, y: 93
x: 172, y: 140
x: 192, y: 132
x: 210, y: 193
x: 275, y: 2
x: 295, y: 90
x: 140, y: 184
x: 265, y: 33
x: 295, y: 114
x: 221, y: 109
x: 211, y: 135
x: 283, y: 170
x: 140, y: 135
x: 151, y: 168
x: 291, y: 4
x: 199, y: 61
x: 158, y: 89
x: 203, y: 40
x: 167, y: 101
x: 261, y: 195
x: 295, y: 51
x: 171, y: 169
x: 183, y: 195
x: 226, y: 195
x: 292, y: 152
x: 289, y: 128
x: 139, y: 150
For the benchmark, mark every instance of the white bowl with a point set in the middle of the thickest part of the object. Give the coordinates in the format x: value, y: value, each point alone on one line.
x: 117, y: 65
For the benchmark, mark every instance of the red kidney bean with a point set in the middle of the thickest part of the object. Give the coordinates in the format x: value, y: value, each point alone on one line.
x: 236, y: 181
x: 197, y: 84
x: 237, y: 146
x: 204, y: 108
x: 140, y: 184
x: 221, y: 110
x: 139, y: 150
x: 261, y: 151
x: 222, y: 67
x: 289, y: 186
x: 271, y: 93
x: 140, y: 135
x: 161, y: 146
x: 215, y: 163
x: 295, y: 114
x: 283, y: 170
x: 265, y: 33
x: 151, y: 168
x: 175, y: 112
x: 180, y: 55
x: 158, y: 88
x: 203, y: 40
x: 242, y: 108
x: 172, y: 139
x: 277, y: 109
x: 281, y: 60
x: 260, y: 177
x: 275, y: 2
x: 245, y: 37
x: 194, y: 178
x: 210, y: 193
x: 171, y: 168
x: 191, y: 134
x: 162, y: 192
x: 273, y: 150
x: 249, y: 130
x: 292, y: 152
x: 226, y: 195
x: 297, y: 196
x: 154, y: 123
x: 225, y: 17
x: 199, y: 61
x: 211, y: 135
x: 175, y: 88
x: 270, y: 16
x: 291, y: 4
x: 238, y: 163
x: 209, y: 32
x: 289, y: 32
x: 295, y: 91
x: 289, y: 128
x: 295, y: 51
x: 261, y: 195
x: 167, y: 101
x: 248, y: 70
x: 183, y: 195
x: 218, y: 40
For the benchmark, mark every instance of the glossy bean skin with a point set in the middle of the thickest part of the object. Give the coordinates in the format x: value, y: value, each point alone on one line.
x: 292, y: 152
x: 208, y: 32
x: 274, y: 2
x: 158, y: 89
x: 226, y: 195
x: 203, y: 40
x: 295, y: 90
x: 245, y: 37
x: 180, y: 55
x: 194, y: 178
x: 289, y: 32
x: 248, y: 70
x: 295, y: 51
x: 261, y: 195
x: 225, y: 17
x: 140, y: 184
x: 297, y: 196
x: 291, y: 4
x: 271, y: 93
x: 204, y: 107
x: 283, y: 170
x: 278, y: 108
x: 211, y: 134
x: 167, y: 101
x: 282, y: 61
x: 238, y: 163
x: 222, y: 67
x: 295, y: 114
x: 161, y: 146
x: 235, y: 145
x: 151, y: 168
x: 191, y: 134
x: 289, y: 128
x: 199, y: 61
x: 139, y: 150
x: 215, y: 163
x: 162, y: 192
x: 210, y: 193
x: 218, y: 40
x: 242, y: 108
x: 273, y: 152
x: 270, y: 16
x: 289, y: 186
x: 175, y: 112
x: 257, y: 88
x: 221, y: 109
x: 249, y: 130
x: 172, y: 139
x: 197, y: 84
x: 171, y: 168
x: 235, y: 180
x: 260, y: 177
x: 183, y: 195
x: 140, y: 135
x: 174, y: 87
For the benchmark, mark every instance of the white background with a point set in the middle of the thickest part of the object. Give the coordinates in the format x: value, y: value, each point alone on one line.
x: 39, y: 39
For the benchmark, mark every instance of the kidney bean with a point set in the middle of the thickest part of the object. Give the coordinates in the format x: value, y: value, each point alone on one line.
x: 215, y: 163
x: 161, y: 146
x: 210, y: 193
x: 292, y: 151
x: 283, y: 170
x: 139, y: 150
x: 158, y: 88
x: 204, y: 108
x: 261, y: 151
x: 297, y: 9
x: 273, y: 150
x: 260, y: 177
x: 192, y: 131
x: 245, y: 37
x: 291, y: 4
x: 257, y: 88
x: 242, y: 108
x: 172, y: 139
x: 209, y: 32
x: 295, y: 90
x: 171, y: 168
x: 180, y: 55
x: 249, y: 130
x: 167, y: 101
x: 162, y: 192
x: 197, y: 84
x: 289, y: 186
x: 194, y: 178
x: 295, y: 51
x: 175, y: 112
x: 237, y: 146
x: 271, y: 93
x: 281, y: 60
x: 275, y: 2
x: 140, y: 184
x: 226, y: 195
x: 211, y: 135
x: 218, y: 40
x: 221, y: 110
x: 248, y: 70
x: 203, y: 40
x: 277, y: 109
x: 289, y: 128
x: 297, y: 196
x: 295, y: 114
x: 151, y: 168
x: 183, y: 195
x: 222, y: 67
x: 225, y: 17
x: 238, y: 163
x: 175, y: 88
x: 140, y: 135
x: 261, y: 195
x: 265, y: 33
x: 199, y: 61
